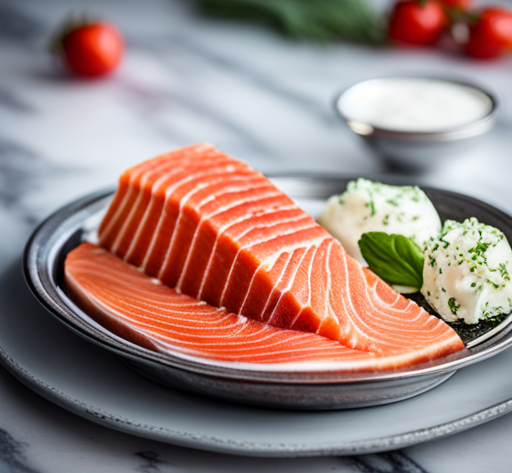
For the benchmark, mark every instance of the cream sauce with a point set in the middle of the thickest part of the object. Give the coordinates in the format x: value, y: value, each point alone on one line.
x: 414, y: 104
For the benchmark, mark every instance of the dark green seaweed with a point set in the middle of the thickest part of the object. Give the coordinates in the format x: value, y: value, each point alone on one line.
x: 467, y: 332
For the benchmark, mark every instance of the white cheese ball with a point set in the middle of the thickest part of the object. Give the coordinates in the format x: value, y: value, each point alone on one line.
x: 467, y: 271
x: 368, y: 206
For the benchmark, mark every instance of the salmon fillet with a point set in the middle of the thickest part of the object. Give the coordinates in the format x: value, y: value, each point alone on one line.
x: 142, y: 310
x: 211, y: 227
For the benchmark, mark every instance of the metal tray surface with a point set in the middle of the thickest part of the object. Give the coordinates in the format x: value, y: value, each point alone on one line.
x: 295, y: 387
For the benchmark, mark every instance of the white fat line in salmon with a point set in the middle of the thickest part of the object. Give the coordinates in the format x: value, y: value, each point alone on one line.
x: 183, y: 201
x: 328, y: 305
x: 100, y: 307
x: 281, y: 276
x: 225, y: 227
x: 177, y: 343
x: 357, y: 276
x: 308, y: 301
x: 156, y: 188
x: 386, y: 336
x: 240, y: 184
x: 287, y: 288
x: 272, y: 192
x: 359, y: 322
x: 396, y: 321
x: 200, y: 186
x: 139, y: 196
x: 274, y: 223
x: 271, y: 260
x: 294, y: 361
x: 392, y: 317
x: 206, y: 217
x: 156, y: 316
x: 120, y: 312
x: 145, y: 169
x: 349, y: 324
x: 296, y: 229
x: 153, y: 310
x: 168, y: 193
x: 386, y: 305
x: 234, y: 348
x: 248, y: 292
x: 294, y: 343
x: 125, y: 199
x: 291, y: 280
x: 239, y: 339
x: 229, y: 225
x: 262, y: 240
x: 245, y: 339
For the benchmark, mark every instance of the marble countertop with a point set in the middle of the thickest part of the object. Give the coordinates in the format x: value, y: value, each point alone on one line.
x: 255, y: 95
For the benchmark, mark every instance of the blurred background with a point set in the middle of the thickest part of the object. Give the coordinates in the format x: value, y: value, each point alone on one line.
x: 189, y: 74
x: 256, y: 78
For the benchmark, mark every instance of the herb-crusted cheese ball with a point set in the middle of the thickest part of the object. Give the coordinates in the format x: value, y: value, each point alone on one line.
x: 368, y: 206
x: 467, y: 270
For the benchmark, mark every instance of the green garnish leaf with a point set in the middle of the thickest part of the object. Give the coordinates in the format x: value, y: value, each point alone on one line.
x: 394, y: 258
x: 321, y: 21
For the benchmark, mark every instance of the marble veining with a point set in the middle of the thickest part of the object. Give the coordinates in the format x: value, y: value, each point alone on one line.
x: 16, y: 25
x: 13, y: 102
x: 12, y: 455
x: 22, y: 169
x: 152, y: 462
x: 394, y: 462
x: 186, y: 79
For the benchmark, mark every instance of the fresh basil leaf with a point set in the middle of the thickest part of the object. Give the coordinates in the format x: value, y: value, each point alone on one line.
x: 394, y: 258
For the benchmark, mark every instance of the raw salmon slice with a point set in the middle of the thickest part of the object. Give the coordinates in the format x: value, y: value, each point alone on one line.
x: 213, y: 228
x: 144, y: 311
x: 154, y: 316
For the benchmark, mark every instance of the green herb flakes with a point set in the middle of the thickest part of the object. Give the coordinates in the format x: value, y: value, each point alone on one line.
x: 452, y: 304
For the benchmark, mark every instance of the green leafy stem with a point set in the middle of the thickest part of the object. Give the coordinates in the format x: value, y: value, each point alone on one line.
x: 319, y: 20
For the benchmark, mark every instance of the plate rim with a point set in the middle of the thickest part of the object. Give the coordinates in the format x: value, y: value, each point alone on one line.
x: 248, y: 448
x: 122, y: 347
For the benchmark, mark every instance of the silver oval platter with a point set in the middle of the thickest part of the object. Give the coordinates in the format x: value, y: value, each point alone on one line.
x: 295, y: 387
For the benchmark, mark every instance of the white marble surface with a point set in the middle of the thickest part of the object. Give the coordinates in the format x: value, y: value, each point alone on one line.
x: 253, y: 94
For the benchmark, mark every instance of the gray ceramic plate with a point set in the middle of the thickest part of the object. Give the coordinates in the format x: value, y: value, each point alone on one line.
x: 298, y: 387
x: 90, y: 382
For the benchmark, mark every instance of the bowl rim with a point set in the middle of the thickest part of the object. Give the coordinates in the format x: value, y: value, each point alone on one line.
x: 460, y: 132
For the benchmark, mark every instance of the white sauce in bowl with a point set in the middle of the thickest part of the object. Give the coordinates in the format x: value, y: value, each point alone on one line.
x: 414, y: 104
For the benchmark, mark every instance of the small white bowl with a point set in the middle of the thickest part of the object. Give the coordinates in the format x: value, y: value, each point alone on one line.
x: 409, y: 144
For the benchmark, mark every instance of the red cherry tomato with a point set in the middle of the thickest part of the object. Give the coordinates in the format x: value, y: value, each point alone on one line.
x: 418, y: 23
x: 93, y: 49
x: 491, y: 34
x: 463, y: 5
